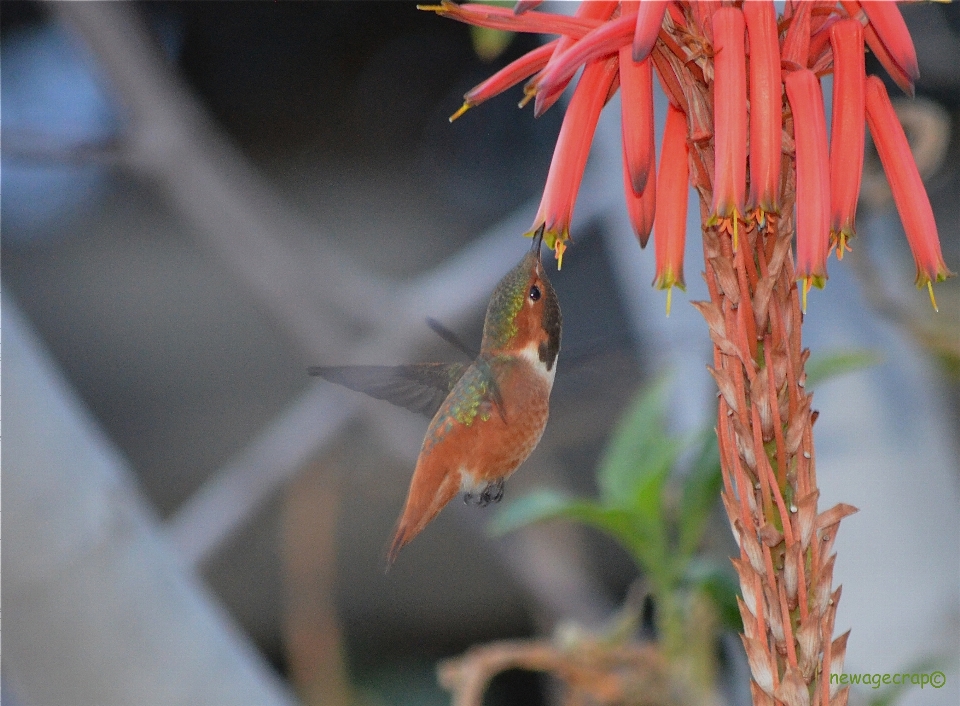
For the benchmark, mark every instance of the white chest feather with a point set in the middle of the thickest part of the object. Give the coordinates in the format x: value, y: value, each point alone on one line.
x: 532, y: 355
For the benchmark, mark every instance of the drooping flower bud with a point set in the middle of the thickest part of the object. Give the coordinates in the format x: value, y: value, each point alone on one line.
x: 649, y: 19
x: 510, y: 75
x: 571, y: 152
x: 637, y: 128
x: 813, y: 178
x: 730, y: 114
x: 847, y: 130
x: 908, y: 192
x: 670, y: 224
x: 766, y: 106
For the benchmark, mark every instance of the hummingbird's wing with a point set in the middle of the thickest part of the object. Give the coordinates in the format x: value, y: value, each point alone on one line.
x: 420, y: 387
x: 451, y: 338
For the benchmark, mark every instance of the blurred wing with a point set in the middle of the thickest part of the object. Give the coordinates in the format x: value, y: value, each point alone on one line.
x: 421, y: 387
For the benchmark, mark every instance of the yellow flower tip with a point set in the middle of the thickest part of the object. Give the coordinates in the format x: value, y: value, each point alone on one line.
x: 559, y: 248
x: 933, y: 300
x: 669, y: 299
x: 463, y: 109
x: 527, y: 97
x: 727, y: 224
x: 431, y: 8
x: 840, y: 241
x: 818, y: 281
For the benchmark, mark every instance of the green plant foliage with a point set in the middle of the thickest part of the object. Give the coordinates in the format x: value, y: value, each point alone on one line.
x: 719, y: 584
x: 488, y: 44
x: 701, y: 488
x: 822, y: 368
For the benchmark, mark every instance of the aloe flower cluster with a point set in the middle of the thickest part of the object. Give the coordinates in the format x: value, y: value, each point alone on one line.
x: 735, y: 75
x: 746, y: 128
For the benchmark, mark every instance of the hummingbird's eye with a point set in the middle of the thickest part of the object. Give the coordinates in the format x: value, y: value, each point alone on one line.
x: 535, y: 292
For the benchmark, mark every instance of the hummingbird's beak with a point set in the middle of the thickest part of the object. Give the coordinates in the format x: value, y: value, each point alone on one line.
x: 538, y: 240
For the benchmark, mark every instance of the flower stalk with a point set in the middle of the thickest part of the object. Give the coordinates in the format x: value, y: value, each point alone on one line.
x: 800, y: 192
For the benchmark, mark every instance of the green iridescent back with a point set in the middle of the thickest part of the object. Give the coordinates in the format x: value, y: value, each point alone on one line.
x: 461, y: 406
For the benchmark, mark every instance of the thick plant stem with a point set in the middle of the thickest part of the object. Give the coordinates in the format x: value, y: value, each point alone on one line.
x: 765, y: 432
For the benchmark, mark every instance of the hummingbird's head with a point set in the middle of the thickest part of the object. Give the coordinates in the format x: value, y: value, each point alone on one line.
x: 524, y: 314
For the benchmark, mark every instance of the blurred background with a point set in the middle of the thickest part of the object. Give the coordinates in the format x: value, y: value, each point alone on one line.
x: 199, y: 200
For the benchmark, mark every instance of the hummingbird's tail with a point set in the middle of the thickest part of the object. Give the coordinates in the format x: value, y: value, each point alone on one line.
x: 429, y: 492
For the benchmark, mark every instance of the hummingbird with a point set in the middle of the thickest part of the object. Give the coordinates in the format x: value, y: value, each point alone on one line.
x: 487, y: 415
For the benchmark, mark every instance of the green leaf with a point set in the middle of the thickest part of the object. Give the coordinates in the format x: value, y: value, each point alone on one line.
x: 538, y: 506
x: 721, y: 586
x: 544, y: 505
x: 701, y: 491
x: 489, y: 43
x: 639, y: 456
x: 823, y: 367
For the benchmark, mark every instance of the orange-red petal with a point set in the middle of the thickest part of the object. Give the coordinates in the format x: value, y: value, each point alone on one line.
x: 892, y: 32
x: 605, y: 39
x: 730, y: 113
x: 505, y: 19
x: 641, y: 208
x: 766, y: 106
x: 847, y: 129
x: 596, y: 12
x: 510, y: 75
x: 524, y: 5
x: 670, y: 229
x: 636, y: 121
x: 796, y: 45
x: 908, y: 191
x: 813, y: 185
x: 571, y: 152
x: 895, y: 59
x: 649, y: 19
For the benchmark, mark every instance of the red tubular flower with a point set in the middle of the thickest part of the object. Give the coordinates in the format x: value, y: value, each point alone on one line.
x: 796, y: 45
x: 894, y: 51
x: 570, y: 154
x: 670, y: 229
x: 649, y: 19
x: 598, y: 12
x: 524, y: 5
x: 730, y: 114
x: 846, y: 133
x: 766, y: 106
x: 640, y: 207
x: 892, y: 32
x: 813, y: 186
x: 510, y: 75
x: 636, y: 105
x: 505, y: 19
x: 906, y: 185
x: 605, y: 39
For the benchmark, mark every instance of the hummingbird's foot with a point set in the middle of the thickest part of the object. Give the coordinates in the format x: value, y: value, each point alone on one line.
x: 492, y: 493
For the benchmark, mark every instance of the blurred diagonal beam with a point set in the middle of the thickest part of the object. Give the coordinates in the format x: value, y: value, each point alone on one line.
x: 97, y: 608
x: 205, y: 520
x: 236, y: 214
